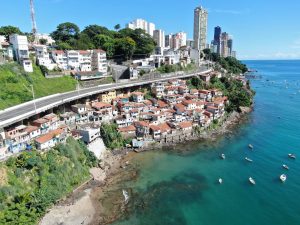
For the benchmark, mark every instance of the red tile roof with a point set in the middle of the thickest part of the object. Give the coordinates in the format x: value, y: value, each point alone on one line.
x: 30, y: 129
x: 127, y: 129
x: 47, y: 137
x: 185, y: 124
x: 99, y: 105
x: 154, y: 128
x: 164, y: 127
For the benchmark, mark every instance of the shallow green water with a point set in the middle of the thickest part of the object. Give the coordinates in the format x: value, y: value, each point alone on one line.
x: 177, y: 188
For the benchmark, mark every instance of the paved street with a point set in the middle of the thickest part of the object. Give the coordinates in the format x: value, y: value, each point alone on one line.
x: 23, y: 111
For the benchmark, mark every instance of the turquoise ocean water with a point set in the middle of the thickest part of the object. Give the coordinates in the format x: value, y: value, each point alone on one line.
x: 177, y: 188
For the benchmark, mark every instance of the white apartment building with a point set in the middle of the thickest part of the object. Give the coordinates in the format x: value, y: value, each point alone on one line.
x: 20, y: 46
x: 21, y: 52
x: 85, y: 61
x: 151, y: 28
x: 43, y: 57
x: 178, y: 40
x: 47, y: 37
x: 60, y: 58
x: 142, y: 24
x: 99, y: 61
x: 159, y: 38
x: 81, y: 60
x: 200, y: 28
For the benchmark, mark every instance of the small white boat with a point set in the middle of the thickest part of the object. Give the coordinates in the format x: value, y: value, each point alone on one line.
x: 248, y: 159
x: 126, y: 196
x: 285, y: 167
x: 252, y: 181
x: 220, y: 181
x: 282, y: 177
x: 292, y: 156
x: 223, y: 156
x: 250, y: 146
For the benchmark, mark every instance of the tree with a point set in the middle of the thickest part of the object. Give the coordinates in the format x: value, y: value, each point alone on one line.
x: 197, y: 82
x: 64, y: 46
x: 117, y: 27
x: 65, y: 32
x: 106, y: 43
x: 125, y: 46
x: 43, y: 41
x: 84, y: 42
x: 144, y: 42
x: 8, y: 30
x: 94, y: 30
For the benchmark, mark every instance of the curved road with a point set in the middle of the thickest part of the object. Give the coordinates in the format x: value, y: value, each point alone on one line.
x: 26, y: 110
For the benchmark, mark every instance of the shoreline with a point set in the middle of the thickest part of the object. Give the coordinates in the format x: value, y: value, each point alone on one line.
x: 93, y: 194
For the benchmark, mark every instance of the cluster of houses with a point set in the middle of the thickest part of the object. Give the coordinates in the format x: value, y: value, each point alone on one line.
x: 174, y: 108
x: 86, y: 64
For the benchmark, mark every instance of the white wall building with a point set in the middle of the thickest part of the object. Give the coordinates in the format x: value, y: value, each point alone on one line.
x: 178, y: 40
x: 99, y: 61
x: 142, y: 24
x: 60, y: 58
x: 43, y: 57
x: 47, y: 37
x: 82, y: 61
x: 20, y: 46
x: 200, y: 28
x: 159, y: 38
x: 21, y: 52
x: 151, y: 28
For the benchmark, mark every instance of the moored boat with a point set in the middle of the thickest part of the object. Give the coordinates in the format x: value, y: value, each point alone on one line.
x: 285, y: 167
x: 250, y: 146
x: 223, y: 156
x: 126, y: 196
x: 292, y: 156
x: 220, y: 180
x: 252, y: 181
x: 248, y: 159
x: 282, y: 177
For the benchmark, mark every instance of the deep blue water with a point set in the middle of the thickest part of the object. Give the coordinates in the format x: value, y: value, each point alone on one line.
x: 174, y: 188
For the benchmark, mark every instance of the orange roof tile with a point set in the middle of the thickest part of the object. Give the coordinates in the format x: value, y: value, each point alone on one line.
x: 185, y: 124
x: 127, y: 129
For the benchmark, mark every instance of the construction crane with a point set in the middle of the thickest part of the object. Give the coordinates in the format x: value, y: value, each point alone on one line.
x: 34, y: 28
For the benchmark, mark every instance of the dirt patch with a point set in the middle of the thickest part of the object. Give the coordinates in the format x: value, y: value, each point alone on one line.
x: 3, y: 176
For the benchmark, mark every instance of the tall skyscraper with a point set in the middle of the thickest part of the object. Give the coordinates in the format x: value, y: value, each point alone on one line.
x: 159, y: 38
x: 217, y: 39
x: 168, y: 39
x: 224, y: 44
x: 230, y: 46
x: 200, y: 28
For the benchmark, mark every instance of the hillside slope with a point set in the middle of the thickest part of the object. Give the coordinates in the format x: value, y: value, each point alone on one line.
x: 15, y: 85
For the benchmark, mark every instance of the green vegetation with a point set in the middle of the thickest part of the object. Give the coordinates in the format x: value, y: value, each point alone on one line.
x: 195, y: 83
x: 111, y: 137
x: 231, y: 64
x: 15, y: 85
x: 8, y: 30
x: 238, y: 95
x: 118, y: 43
x: 33, y: 182
x: 176, y: 67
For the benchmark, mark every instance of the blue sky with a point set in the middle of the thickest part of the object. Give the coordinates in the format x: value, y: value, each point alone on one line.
x: 262, y: 29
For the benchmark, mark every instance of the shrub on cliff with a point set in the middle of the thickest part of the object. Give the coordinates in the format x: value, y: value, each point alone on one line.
x: 35, y: 181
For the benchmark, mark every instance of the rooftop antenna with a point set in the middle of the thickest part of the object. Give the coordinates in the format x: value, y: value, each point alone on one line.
x: 34, y: 28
